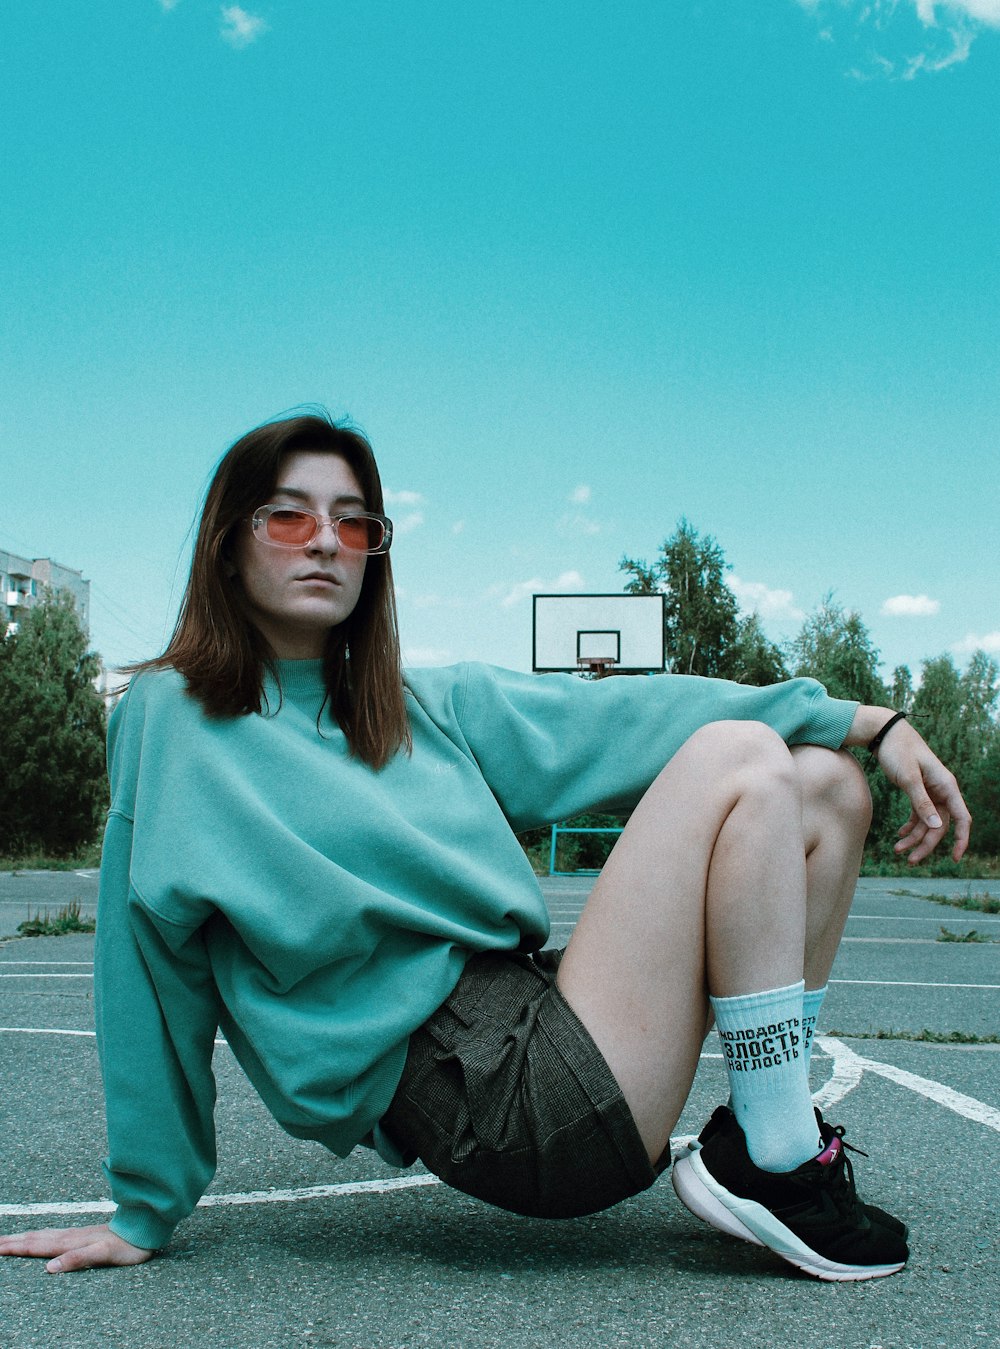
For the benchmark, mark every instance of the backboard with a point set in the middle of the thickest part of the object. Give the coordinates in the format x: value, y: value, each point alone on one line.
x: 623, y: 633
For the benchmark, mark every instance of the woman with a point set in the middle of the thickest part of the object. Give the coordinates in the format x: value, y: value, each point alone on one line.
x: 317, y: 855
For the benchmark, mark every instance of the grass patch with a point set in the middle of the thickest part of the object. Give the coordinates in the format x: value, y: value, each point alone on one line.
x: 928, y: 1037
x: 972, y: 903
x: 88, y: 858
x: 67, y: 920
x: 971, y: 936
x: 977, y: 866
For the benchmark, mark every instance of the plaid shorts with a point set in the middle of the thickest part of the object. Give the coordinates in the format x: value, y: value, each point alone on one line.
x: 506, y: 1097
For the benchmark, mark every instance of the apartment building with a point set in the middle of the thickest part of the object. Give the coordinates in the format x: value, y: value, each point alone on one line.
x: 23, y: 581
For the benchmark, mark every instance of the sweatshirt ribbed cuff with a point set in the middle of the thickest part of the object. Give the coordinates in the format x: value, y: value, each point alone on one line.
x: 141, y: 1227
x: 831, y: 721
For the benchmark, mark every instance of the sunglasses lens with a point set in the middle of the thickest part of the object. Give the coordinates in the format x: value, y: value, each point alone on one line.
x: 357, y: 531
x: 290, y: 527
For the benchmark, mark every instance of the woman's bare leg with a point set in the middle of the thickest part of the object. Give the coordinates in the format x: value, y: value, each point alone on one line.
x: 704, y: 891
x: 836, y: 813
x: 735, y: 880
x: 836, y: 816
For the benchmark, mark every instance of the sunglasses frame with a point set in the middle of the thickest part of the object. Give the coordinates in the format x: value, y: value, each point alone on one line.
x: 260, y: 517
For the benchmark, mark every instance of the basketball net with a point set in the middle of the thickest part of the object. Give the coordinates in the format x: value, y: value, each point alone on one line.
x: 596, y: 666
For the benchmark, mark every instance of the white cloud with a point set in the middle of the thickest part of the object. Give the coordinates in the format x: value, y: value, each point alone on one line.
x: 458, y: 527
x: 403, y: 498
x: 409, y: 522
x: 579, y: 495
x: 169, y: 4
x: 980, y: 11
x: 239, y: 28
x: 878, y: 13
x: 989, y: 642
x: 910, y: 606
x: 567, y: 580
x: 756, y: 597
x: 906, y: 38
x: 931, y: 64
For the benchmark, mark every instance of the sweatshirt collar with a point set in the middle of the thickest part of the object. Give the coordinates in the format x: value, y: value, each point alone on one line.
x: 299, y: 681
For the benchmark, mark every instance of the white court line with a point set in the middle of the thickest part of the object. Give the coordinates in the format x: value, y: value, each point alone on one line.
x: 848, y: 1071
x: 962, y: 915
x: 57, y: 1030
x: 891, y: 941
x: 847, y: 1062
x: 906, y: 983
x: 250, y: 1197
x: 44, y: 1030
x: 560, y: 924
x: 88, y: 908
x: 966, y: 1106
x: 4, y: 963
x: 26, y: 975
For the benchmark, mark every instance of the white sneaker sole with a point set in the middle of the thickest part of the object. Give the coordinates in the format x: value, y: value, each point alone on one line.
x: 703, y: 1196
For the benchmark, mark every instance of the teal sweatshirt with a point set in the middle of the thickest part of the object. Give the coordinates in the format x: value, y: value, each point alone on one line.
x: 258, y: 878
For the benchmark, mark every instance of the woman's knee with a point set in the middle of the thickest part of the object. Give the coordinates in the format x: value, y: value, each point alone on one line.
x: 748, y: 751
x: 718, y: 765
x: 833, y: 785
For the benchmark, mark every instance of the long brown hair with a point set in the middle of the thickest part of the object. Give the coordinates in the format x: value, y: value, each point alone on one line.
x: 221, y: 653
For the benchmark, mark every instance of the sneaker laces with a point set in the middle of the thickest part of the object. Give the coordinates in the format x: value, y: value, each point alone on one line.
x: 839, y: 1131
x: 839, y: 1174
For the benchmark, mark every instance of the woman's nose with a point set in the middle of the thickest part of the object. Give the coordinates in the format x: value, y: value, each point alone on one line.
x: 326, y: 539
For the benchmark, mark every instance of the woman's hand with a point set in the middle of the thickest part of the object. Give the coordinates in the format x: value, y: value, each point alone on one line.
x: 75, y: 1248
x: 908, y: 761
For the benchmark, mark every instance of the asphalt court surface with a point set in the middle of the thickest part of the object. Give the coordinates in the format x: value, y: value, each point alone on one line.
x: 296, y: 1247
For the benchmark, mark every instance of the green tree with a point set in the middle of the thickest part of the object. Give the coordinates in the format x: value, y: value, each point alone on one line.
x: 958, y: 714
x: 755, y: 658
x: 700, y: 612
x: 52, y: 785
x: 703, y: 631
x: 938, y: 706
x: 836, y: 648
x: 901, y: 689
x: 982, y: 792
x: 981, y: 750
x: 978, y: 686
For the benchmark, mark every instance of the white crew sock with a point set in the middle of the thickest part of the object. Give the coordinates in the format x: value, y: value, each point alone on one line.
x: 812, y: 1001
x: 763, y: 1042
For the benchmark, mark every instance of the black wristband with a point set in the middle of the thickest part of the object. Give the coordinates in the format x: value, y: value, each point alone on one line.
x: 876, y: 740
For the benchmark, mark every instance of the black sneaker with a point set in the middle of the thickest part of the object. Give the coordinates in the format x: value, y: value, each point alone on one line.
x: 811, y: 1216
x: 724, y: 1119
x: 877, y: 1215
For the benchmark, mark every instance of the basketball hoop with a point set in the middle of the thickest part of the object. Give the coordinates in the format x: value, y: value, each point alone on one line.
x: 596, y: 635
x: 596, y: 666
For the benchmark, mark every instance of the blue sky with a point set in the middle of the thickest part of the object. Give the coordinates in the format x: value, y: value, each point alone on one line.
x: 578, y: 270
